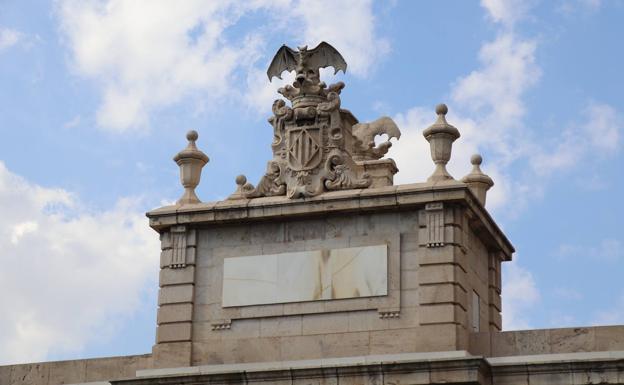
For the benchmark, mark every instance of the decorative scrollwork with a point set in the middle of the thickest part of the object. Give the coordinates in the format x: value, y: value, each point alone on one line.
x: 271, y: 184
x: 341, y: 176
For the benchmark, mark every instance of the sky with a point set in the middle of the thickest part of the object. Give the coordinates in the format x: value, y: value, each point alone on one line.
x: 96, y: 98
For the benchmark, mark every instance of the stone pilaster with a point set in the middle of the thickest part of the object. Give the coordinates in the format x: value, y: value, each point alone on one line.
x: 175, y: 297
x: 442, y: 269
x: 494, y: 291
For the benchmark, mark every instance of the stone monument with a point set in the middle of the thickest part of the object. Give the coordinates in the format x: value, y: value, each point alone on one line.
x: 318, y: 146
x: 325, y: 272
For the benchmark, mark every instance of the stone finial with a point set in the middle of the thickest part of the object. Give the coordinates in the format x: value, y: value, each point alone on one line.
x: 441, y: 136
x: 241, y: 187
x: 191, y: 160
x: 477, y: 181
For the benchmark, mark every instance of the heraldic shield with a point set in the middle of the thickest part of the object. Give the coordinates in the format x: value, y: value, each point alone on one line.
x: 304, y: 147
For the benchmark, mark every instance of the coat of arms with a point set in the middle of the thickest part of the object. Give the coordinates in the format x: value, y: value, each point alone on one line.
x: 317, y: 146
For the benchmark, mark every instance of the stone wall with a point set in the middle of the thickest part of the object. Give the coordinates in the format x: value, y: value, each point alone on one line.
x: 443, y: 252
x: 548, y: 341
x: 412, y: 368
x: 76, y: 371
x: 320, y: 328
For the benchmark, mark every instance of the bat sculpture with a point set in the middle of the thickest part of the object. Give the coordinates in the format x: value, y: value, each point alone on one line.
x: 303, y: 61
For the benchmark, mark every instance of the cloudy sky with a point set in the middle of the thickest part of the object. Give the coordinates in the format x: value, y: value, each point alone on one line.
x: 96, y: 97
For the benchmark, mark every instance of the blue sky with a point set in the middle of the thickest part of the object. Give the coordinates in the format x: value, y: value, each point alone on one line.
x: 96, y: 98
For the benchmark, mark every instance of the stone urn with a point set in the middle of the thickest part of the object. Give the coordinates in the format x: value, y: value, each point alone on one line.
x: 191, y: 161
x: 441, y: 136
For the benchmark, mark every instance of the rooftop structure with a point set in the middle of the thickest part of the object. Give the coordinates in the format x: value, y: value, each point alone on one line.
x: 324, y: 271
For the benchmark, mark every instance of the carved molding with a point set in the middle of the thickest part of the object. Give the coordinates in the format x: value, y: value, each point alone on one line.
x: 435, y: 224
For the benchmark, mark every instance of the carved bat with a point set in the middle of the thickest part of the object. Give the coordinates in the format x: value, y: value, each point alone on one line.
x: 324, y: 55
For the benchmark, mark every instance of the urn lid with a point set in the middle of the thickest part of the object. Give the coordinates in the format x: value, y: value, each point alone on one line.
x: 191, y: 151
x: 441, y: 126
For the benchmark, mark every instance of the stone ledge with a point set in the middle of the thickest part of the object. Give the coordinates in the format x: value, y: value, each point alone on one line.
x: 308, y: 364
x: 557, y: 358
x: 357, y: 200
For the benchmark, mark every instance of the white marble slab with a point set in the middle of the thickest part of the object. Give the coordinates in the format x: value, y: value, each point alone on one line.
x: 305, y: 276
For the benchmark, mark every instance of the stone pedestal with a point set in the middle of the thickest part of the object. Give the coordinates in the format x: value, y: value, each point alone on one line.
x: 381, y: 171
x: 441, y: 249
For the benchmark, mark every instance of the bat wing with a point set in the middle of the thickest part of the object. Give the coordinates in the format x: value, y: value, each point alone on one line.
x: 324, y: 55
x: 284, y: 60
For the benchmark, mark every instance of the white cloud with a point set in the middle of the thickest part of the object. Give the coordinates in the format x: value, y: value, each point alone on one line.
x: 520, y: 294
x: 614, y: 315
x: 598, y: 135
x: 570, y: 7
x: 411, y: 152
x: 149, y: 55
x: 608, y: 249
x: 507, y: 12
x: 602, y: 127
x: 493, y: 94
x: 20, y: 229
x: 261, y: 93
x: 73, y: 122
x: 487, y: 107
x: 8, y: 38
x: 567, y: 293
x: 347, y: 25
x: 70, y: 275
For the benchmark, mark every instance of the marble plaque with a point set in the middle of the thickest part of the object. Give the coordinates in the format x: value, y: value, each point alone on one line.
x: 305, y: 276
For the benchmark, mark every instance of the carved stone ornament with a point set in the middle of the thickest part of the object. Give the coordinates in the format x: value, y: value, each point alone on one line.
x: 435, y: 224
x: 441, y: 136
x: 191, y: 161
x: 178, y: 247
x: 317, y: 146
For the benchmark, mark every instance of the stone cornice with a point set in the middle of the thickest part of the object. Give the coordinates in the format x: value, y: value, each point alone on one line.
x: 448, y: 367
x: 345, y: 201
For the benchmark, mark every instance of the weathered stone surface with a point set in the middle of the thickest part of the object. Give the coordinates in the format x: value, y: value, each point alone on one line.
x: 171, y: 355
x: 175, y: 313
x: 442, y: 313
x: 30, y: 374
x: 175, y: 294
x: 325, y: 323
x: 113, y: 368
x: 75, y: 371
x: 67, y: 372
x: 177, y: 276
x: 321, y: 274
x: 571, y: 340
x: 609, y: 338
x: 281, y: 326
x: 174, y: 332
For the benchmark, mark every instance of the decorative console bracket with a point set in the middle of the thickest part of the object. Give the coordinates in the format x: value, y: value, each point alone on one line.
x: 178, y: 247
x: 435, y: 224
